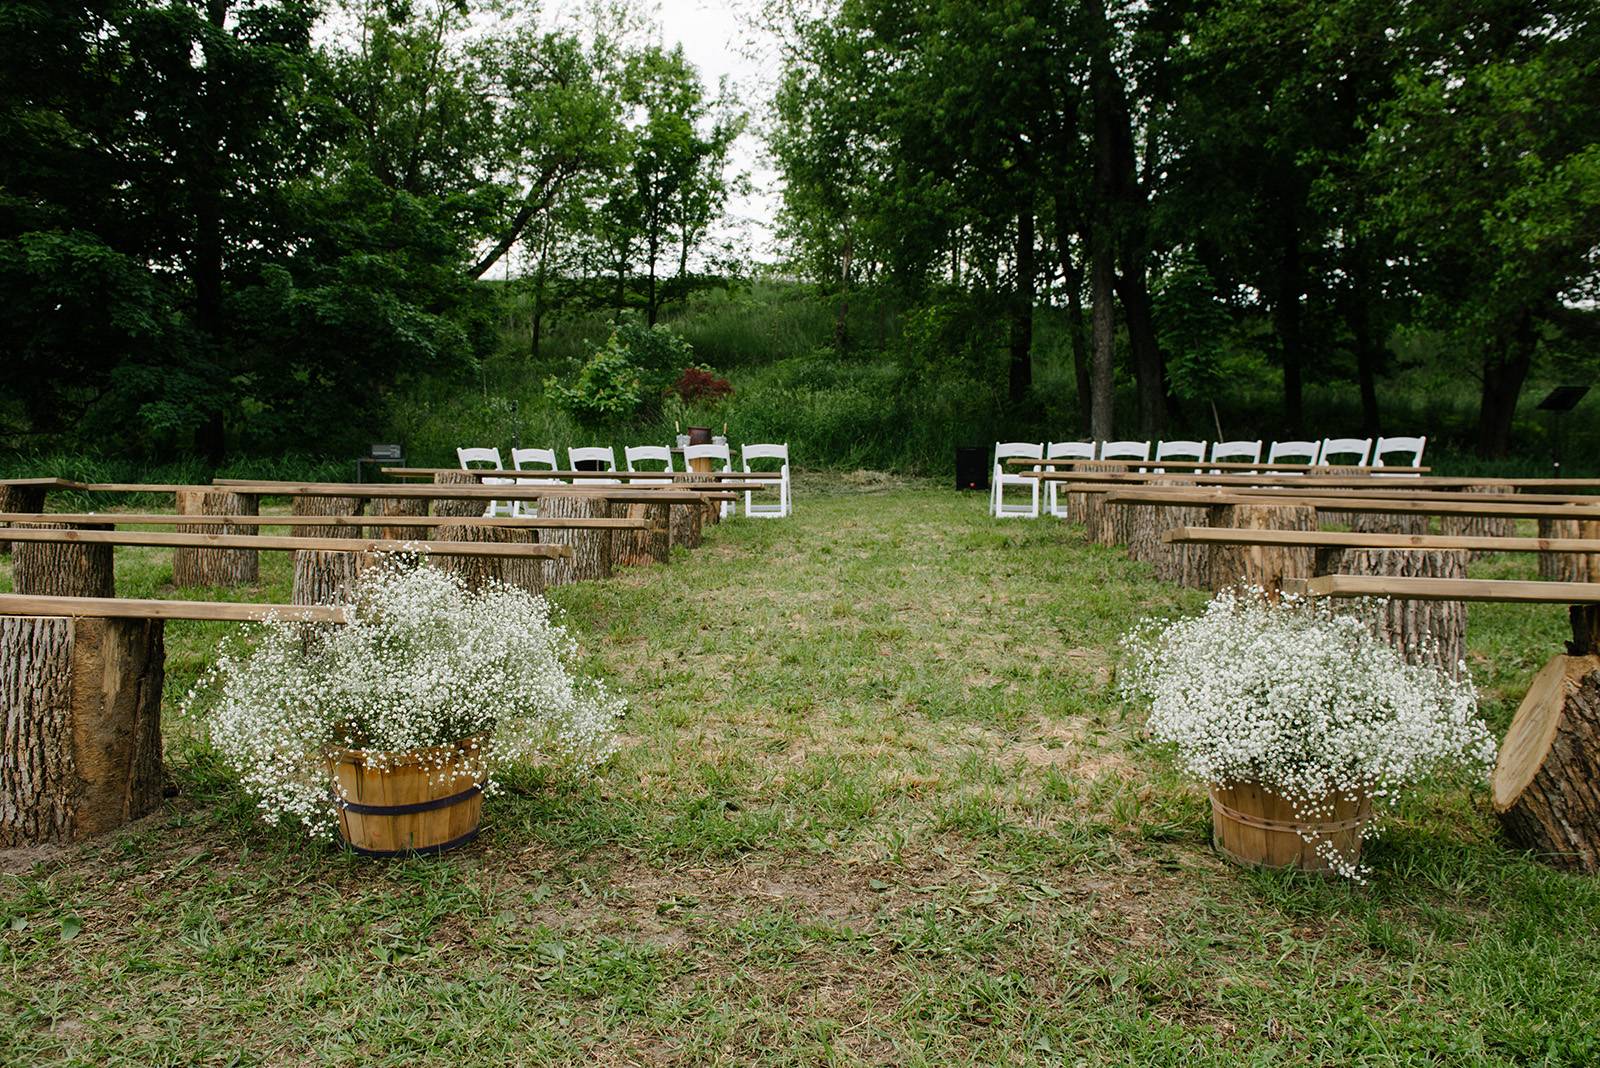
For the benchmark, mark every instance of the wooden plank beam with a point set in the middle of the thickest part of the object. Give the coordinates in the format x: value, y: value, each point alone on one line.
x: 12, y: 604
x: 157, y: 519
x: 1358, y: 504
x: 288, y: 544
x: 1180, y: 466
x: 632, y: 494
x: 486, y: 472
x: 1362, y: 488
x: 1353, y: 540
x: 1438, y: 589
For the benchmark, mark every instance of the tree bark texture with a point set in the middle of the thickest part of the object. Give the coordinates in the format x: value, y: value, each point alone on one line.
x: 1484, y: 526
x: 477, y: 570
x: 1569, y: 567
x: 216, y: 567
x: 461, y: 508
x: 1187, y: 565
x: 634, y: 548
x: 1382, y: 522
x: 401, y: 506
x: 1020, y: 377
x: 1266, y: 566
x: 62, y: 569
x: 321, y: 577
x: 686, y: 522
x: 1546, y: 785
x: 19, y: 499
x: 591, y: 549
x: 1424, y: 632
x: 80, y: 738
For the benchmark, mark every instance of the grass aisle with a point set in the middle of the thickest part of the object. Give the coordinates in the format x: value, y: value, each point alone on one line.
x: 876, y: 804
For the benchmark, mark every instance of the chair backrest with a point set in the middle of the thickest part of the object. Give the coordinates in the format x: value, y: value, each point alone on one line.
x: 1125, y: 450
x: 1027, y: 450
x: 711, y: 451
x: 1361, y: 448
x: 1414, y: 446
x: 650, y: 453
x: 1236, y: 451
x: 765, y: 452
x: 1070, y: 450
x: 1181, y: 450
x: 1290, y: 451
x: 522, y: 459
x: 479, y: 456
x: 605, y: 454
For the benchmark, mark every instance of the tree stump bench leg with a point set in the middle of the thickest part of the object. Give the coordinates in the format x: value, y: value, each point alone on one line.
x: 80, y: 725
x: 400, y: 506
x: 591, y: 549
x: 1478, y: 526
x: 461, y: 507
x: 476, y: 571
x: 324, y: 577
x: 1424, y: 632
x: 14, y: 499
x: 635, y: 548
x: 63, y: 569
x: 1266, y: 566
x: 1385, y: 522
x: 684, y: 525
x: 216, y: 567
x: 1569, y: 567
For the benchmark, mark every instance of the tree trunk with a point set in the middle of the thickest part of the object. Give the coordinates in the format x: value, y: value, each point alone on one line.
x: 591, y: 549
x: 1020, y: 379
x: 62, y: 569
x: 401, y: 506
x: 216, y: 567
x: 634, y: 548
x: 1287, y: 321
x: 686, y: 522
x: 1569, y: 567
x: 1187, y: 565
x: 324, y: 577
x: 1147, y: 361
x: 1102, y: 226
x: 1072, y: 281
x: 1544, y: 785
x: 80, y: 743
x: 1103, y: 371
x: 17, y: 499
x: 1424, y: 632
x: 480, y: 570
x: 1383, y: 522
x: 1266, y: 566
x: 463, y: 507
x: 1482, y: 525
x: 1503, y: 376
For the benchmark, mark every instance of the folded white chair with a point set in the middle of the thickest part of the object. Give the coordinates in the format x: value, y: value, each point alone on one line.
x: 534, y: 459
x: 1410, y: 450
x: 1361, y: 448
x: 1284, y: 452
x: 1235, y: 452
x: 649, y: 454
x: 1063, y: 450
x: 716, y: 452
x: 1005, y: 450
x: 604, y: 454
x: 1179, y: 450
x: 490, y: 457
x: 767, y: 452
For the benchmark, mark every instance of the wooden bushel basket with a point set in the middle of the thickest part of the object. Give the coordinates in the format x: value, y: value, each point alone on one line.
x: 1255, y: 826
x: 426, y: 801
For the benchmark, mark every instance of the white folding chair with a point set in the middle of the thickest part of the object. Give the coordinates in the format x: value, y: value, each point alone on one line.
x: 532, y: 459
x: 716, y: 452
x: 648, y: 454
x: 768, y: 452
x: 1235, y: 452
x: 1125, y: 450
x: 1413, y: 446
x: 604, y: 454
x: 1286, y: 452
x: 1005, y: 450
x: 1179, y: 450
x: 1063, y: 450
x: 1360, y: 448
x: 491, y: 457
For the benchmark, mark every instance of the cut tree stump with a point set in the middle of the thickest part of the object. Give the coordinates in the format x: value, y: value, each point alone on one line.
x: 685, y: 522
x: 1546, y: 784
x: 653, y: 545
x: 62, y: 569
x: 80, y: 737
x: 1186, y: 564
x: 460, y: 508
x: 324, y: 577
x: 1424, y: 632
x: 1569, y: 567
x: 1266, y: 566
x: 477, y: 570
x: 15, y: 499
x: 591, y: 549
x: 400, y: 506
x: 1383, y: 522
x: 216, y: 567
x: 1485, y: 526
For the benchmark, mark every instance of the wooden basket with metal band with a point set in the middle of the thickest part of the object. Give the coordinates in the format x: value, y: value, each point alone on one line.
x: 1256, y: 826
x: 425, y: 801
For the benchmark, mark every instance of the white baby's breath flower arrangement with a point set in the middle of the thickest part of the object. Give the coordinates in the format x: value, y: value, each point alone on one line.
x: 422, y: 662
x: 1302, y: 701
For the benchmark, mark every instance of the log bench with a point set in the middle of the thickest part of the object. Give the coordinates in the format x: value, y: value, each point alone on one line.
x: 1546, y: 784
x: 80, y: 708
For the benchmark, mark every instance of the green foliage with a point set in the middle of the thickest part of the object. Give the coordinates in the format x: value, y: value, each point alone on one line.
x: 608, y: 389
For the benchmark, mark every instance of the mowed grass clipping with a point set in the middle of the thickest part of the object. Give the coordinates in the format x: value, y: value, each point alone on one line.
x: 877, y: 803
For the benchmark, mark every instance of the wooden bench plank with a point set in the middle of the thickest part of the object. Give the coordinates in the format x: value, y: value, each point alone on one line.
x: 1354, y: 540
x: 1356, y: 504
x: 632, y: 494
x: 1430, y: 589
x: 155, y: 519
x: 13, y: 604
x: 276, y: 542
x: 676, y: 476
x: 1202, y: 466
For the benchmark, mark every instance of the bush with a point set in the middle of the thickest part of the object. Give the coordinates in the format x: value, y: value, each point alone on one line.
x: 608, y: 389
x: 700, y: 383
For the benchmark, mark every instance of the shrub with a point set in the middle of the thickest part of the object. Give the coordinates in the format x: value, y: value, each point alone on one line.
x: 700, y: 383
x: 608, y: 389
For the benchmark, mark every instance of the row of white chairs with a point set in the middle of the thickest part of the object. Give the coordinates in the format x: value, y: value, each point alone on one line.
x: 718, y: 453
x: 1355, y: 452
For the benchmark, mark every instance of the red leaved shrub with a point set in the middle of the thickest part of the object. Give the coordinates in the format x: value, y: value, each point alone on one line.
x: 698, y: 383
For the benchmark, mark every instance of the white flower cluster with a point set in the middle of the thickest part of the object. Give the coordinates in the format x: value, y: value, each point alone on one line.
x: 1301, y: 700
x: 422, y: 662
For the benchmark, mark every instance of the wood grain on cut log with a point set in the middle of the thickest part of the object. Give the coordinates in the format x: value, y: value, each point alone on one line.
x: 324, y: 577
x: 15, y: 499
x: 1486, y: 526
x: 1424, y: 632
x: 635, y: 548
x: 686, y: 525
x: 80, y: 743
x: 1266, y: 566
x: 1186, y: 564
x: 591, y: 549
x: 461, y: 507
x: 1546, y: 784
x: 477, y: 570
x: 62, y: 569
x: 400, y: 506
x: 1569, y: 567
x: 216, y: 567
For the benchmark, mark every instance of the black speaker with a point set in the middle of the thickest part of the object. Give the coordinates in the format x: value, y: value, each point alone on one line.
x: 972, y: 468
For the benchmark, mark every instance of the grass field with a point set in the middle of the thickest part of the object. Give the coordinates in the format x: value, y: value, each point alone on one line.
x: 877, y: 803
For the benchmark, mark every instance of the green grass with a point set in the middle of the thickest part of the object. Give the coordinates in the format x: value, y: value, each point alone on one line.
x: 877, y: 803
